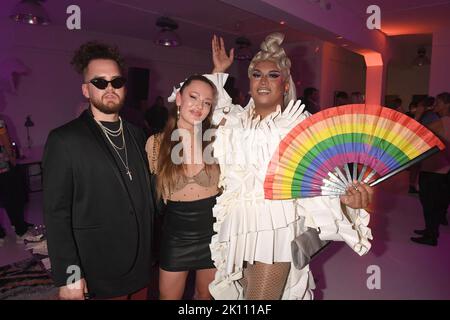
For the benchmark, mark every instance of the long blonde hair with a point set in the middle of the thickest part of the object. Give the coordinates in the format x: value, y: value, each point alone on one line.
x: 271, y: 50
x: 169, y: 172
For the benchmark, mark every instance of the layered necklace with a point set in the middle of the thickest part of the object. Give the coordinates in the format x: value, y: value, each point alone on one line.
x: 116, y: 133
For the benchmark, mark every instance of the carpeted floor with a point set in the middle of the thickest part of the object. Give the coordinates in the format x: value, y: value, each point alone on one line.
x: 26, y: 280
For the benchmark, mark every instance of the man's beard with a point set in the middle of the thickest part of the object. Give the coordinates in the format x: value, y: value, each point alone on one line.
x: 110, y: 108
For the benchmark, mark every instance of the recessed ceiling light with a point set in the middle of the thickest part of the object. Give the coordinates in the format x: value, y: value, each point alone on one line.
x: 282, y: 22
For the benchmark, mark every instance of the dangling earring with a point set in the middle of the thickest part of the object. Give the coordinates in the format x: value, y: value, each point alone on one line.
x: 178, y: 112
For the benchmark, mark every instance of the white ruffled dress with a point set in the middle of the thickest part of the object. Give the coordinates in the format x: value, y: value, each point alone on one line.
x: 251, y: 228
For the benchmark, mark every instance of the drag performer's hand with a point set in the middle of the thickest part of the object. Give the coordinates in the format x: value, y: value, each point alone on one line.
x: 222, y: 61
x: 358, y: 196
x: 74, y: 291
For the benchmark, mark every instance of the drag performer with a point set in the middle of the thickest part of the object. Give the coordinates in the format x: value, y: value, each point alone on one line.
x: 252, y: 247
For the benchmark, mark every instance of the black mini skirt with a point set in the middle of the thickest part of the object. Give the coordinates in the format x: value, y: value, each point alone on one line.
x: 186, y: 234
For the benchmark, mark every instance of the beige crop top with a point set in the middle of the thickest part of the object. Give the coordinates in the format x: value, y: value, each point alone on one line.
x: 202, y: 178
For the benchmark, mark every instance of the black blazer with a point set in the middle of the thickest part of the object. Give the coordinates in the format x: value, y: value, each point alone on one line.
x: 89, y: 214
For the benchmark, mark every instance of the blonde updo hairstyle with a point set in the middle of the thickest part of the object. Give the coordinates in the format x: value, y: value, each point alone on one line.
x: 271, y: 50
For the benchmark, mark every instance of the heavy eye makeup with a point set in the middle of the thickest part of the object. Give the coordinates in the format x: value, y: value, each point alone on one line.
x: 274, y: 74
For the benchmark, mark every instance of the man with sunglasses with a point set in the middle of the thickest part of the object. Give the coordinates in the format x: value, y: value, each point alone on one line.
x: 97, y: 192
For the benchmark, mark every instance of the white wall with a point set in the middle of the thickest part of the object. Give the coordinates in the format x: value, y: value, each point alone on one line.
x: 440, y: 66
x: 406, y: 81
x: 51, y: 92
x: 306, y: 61
x: 341, y: 70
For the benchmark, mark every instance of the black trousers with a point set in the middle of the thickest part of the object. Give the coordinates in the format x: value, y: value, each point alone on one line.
x: 434, y: 196
x: 12, y: 199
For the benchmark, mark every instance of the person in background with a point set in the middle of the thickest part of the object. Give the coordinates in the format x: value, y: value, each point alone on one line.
x: 412, y: 109
x: 434, y: 183
x: 356, y: 97
x: 341, y: 98
x: 425, y: 113
x: 12, y: 193
x: 156, y: 116
x: 396, y: 105
x: 414, y: 170
x: 311, y: 100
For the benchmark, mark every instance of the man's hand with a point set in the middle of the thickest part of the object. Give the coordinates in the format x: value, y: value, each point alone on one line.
x: 74, y: 291
x: 358, y: 196
x: 221, y: 60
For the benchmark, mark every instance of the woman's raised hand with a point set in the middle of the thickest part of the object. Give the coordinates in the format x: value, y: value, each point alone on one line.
x: 221, y: 60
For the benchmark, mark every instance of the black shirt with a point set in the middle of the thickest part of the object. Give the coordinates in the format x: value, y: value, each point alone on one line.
x: 137, y: 181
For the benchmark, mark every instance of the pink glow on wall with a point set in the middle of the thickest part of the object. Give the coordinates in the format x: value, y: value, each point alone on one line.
x: 341, y: 70
x: 373, y: 59
x: 375, y: 78
x: 375, y: 84
x: 49, y: 89
x: 440, y: 67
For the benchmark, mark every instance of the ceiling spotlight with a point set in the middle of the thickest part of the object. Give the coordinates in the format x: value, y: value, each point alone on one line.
x: 30, y: 12
x: 167, y: 37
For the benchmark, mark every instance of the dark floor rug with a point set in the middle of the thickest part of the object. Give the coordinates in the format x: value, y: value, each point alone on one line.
x: 26, y: 280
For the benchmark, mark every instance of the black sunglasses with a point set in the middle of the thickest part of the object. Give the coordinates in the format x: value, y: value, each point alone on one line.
x: 102, y: 84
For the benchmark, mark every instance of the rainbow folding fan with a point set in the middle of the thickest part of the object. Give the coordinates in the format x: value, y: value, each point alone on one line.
x: 323, y: 154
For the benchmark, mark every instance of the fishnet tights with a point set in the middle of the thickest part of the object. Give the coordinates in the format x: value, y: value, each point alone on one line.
x: 263, y: 281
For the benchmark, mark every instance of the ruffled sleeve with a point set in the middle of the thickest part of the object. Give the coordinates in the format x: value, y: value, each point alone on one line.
x: 225, y: 106
x: 327, y: 216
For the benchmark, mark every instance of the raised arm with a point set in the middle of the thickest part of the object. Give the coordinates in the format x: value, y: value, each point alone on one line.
x: 221, y: 60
